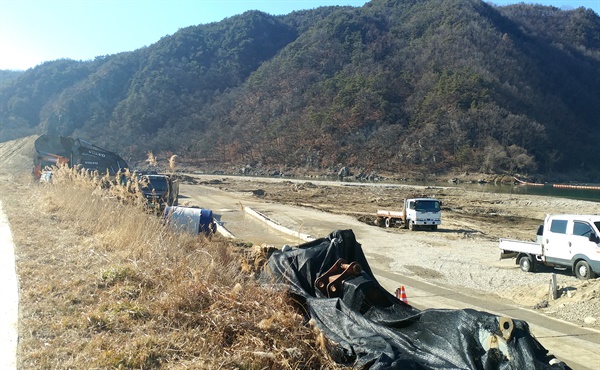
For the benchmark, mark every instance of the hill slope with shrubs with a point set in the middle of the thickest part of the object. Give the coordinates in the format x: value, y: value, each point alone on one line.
x: 433, y: 86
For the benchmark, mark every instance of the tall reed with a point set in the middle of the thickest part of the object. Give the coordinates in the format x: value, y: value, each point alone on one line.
x: 108, y: 285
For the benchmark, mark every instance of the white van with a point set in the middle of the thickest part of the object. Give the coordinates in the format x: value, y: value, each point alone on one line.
x: 566, y: 240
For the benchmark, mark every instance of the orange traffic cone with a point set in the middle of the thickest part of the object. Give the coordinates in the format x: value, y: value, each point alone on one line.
x: 401, y: 294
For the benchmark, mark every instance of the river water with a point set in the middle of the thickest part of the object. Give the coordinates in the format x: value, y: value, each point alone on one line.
x: 548, y: 190
x: 538, y: 189
x: 545, y: 190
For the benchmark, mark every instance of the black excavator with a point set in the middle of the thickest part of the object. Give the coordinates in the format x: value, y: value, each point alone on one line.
x: 52, y: 150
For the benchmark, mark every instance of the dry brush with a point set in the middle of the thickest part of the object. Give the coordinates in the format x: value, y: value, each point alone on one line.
x: 104, y: 284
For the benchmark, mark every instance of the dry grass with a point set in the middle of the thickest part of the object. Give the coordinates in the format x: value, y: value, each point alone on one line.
x: 104, y: 285
x: 173, y: 162
x: 151, y: 159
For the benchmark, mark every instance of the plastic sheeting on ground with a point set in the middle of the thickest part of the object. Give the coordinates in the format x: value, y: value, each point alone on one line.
x: 371, y: 329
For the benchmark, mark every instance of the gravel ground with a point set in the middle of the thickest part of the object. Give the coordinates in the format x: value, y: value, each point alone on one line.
x: 463, y: 254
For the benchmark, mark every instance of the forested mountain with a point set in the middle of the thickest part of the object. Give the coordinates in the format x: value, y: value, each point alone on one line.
x: 395, y: 85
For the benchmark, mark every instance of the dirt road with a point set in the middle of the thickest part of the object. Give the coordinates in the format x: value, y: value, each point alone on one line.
x: 455, y: 267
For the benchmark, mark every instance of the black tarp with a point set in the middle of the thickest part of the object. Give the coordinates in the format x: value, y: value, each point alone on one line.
x: 370, y: 328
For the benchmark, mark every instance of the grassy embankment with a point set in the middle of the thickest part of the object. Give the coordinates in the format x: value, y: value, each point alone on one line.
x: 104, y: 285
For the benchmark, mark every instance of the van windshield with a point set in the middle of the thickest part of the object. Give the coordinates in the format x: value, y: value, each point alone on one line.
x: 427, y: 205
x: 158, y: 184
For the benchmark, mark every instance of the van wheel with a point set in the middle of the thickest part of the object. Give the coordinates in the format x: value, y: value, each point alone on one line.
x: 526, y: 264
x: 583, y: 270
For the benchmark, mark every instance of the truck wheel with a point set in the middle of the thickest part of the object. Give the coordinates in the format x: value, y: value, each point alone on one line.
x: 434, y: 227
x: 526, y: 264
x: 388, y: 222
x: 411, y: 225
x: 583, y: 270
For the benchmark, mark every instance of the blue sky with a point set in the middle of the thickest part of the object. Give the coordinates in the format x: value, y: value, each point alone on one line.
x: 35, y: 31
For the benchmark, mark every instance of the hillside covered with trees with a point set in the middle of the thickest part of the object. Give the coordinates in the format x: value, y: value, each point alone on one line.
x: 436, y: 86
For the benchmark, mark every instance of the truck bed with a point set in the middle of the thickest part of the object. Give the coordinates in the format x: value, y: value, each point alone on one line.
x: 392, y: 214
x: 510, y: 247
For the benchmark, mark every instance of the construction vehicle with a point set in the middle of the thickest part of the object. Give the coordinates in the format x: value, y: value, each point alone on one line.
x: 416, y: 213
x: 76, y: 153
x: 571, y: 241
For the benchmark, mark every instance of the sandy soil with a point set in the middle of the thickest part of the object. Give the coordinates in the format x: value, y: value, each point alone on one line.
x: 462, y: 254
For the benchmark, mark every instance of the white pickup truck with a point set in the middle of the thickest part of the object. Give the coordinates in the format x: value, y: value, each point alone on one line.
x: 563, y: 240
